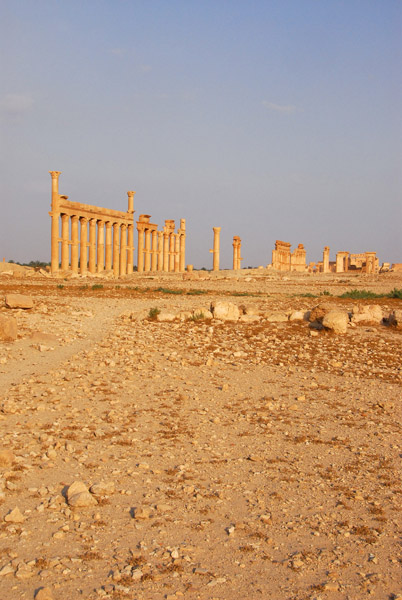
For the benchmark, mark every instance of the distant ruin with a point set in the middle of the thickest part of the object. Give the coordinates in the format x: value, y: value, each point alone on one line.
x: 285, y: 260
x: 109, y: 243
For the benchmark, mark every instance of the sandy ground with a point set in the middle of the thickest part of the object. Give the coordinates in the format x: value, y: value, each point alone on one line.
x: 235, y: 460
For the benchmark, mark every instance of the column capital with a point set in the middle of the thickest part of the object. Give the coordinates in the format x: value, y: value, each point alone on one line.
x: 55, y: 174
x: 216, y: 229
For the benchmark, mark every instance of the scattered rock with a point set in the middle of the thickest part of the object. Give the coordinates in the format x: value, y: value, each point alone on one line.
x: 225, y: 311
x: 18, y: 301
x: 78, y: 496
x: 8, y: 329
x: 14, y: 516
x: 44, y: 593
x: 6, y: 458
x: 336, y: 320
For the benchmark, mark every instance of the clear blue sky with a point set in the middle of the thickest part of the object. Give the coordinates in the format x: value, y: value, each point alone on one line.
x: 274, y: 119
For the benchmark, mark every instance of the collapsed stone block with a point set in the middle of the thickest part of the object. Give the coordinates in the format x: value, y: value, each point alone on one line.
x: 8, y: 329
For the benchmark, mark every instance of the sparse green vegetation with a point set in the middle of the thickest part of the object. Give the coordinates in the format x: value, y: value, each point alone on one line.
x: 197, y: 316
x: 60, y: 286
x: 395, y: 293
x: 325, y: 293
x: 97, y: 286
x: 196, y: 292
x: 153, y: 313
x: 168, y: 291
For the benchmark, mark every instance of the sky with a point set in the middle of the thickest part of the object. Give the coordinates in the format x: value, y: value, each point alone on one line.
x: 273, y: 119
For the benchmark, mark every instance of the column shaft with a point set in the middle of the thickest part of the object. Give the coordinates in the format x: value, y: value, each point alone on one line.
x: 108, y: 246
x: 140, y: 264
x: 171, y: 252
x: 123, y: 250
x: 130, y: 248
x: 65, y: 219
x: 55, y: 215
x: 101, y: 247
x: 74, y: 244
x: 147, y: 264
x: 83, y: 246
x: 92, y: 246
x: 216, y: 252
x: 116, y: 244
x: 160, y: 251
x: 177, y: 252
x: 165, y: 251
x: 154, y: 258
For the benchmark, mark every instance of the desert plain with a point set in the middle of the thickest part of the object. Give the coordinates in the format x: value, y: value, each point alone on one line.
x: 150, y: 455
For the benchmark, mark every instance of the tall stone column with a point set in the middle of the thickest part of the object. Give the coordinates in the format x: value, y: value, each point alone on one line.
x: 116, y: 245
x: 101, y: 247
x: 325, y: 260
x: 123, y: 250
x: 140, y: 251
x: 160, y: 251
x: 154, y: 258
x: 216, y: 250
x: 130, y: 246
x: 74, y: 244
x: 147, y: 262
x: 235, y: 252
x: 83, y: 245
x: 108, y: 246
x: 92, y: 246
x: 165, y: 251
x: 171, y: 251
x: 65, y: 220
x: 176, y: 252
x: 55, y: 214
x: 182, y: 260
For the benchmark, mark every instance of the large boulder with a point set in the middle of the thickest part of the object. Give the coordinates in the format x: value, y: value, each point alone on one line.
x: 370, y: 314
x: 225, y: 311
x: 336, y: 320
x: 8, y: 329
x: 78, y: 496
x: 18, y: 301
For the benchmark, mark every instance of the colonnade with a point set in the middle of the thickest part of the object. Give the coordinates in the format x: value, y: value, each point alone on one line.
x: 237, y: 252
x: 161, y: 250
x: 92, y: 239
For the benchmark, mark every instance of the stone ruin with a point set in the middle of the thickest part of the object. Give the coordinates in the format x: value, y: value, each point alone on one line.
x: 285, y: 260
x: 109, y: 243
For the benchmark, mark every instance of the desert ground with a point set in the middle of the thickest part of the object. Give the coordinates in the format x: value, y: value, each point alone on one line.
x: 211, y: 459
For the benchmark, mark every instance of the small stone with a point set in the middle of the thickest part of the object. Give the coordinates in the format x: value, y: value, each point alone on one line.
x: 44, y: 593
x: 15, y: 516
x: 142, y: 513
x: 8, y: 329
x: 6, y: 570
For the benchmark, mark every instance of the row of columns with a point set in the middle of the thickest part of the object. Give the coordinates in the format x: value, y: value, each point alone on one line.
x: 109, y: 246
x: 161, y: 250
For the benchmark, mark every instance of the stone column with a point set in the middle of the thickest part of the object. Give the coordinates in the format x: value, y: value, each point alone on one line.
x: 83, y: 246
x: 130, y: 247
x: 325, y: 260
x: 101, y: 246
x: 147, y: 261
x: 216, y: 250
x: 140, y: 264
x: 160, y: 251
x: 165, y: 251
x: 108, y: 246
x: 55, y: 214
x: 154, y: 257
x: 74, y: 244
x: 92, y: 246
x: 182, y: 261
x: 176, y: 252
x: 65, y: 220
x: 123, y: 250
x: 171, y: 251
x: 116, y: 245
